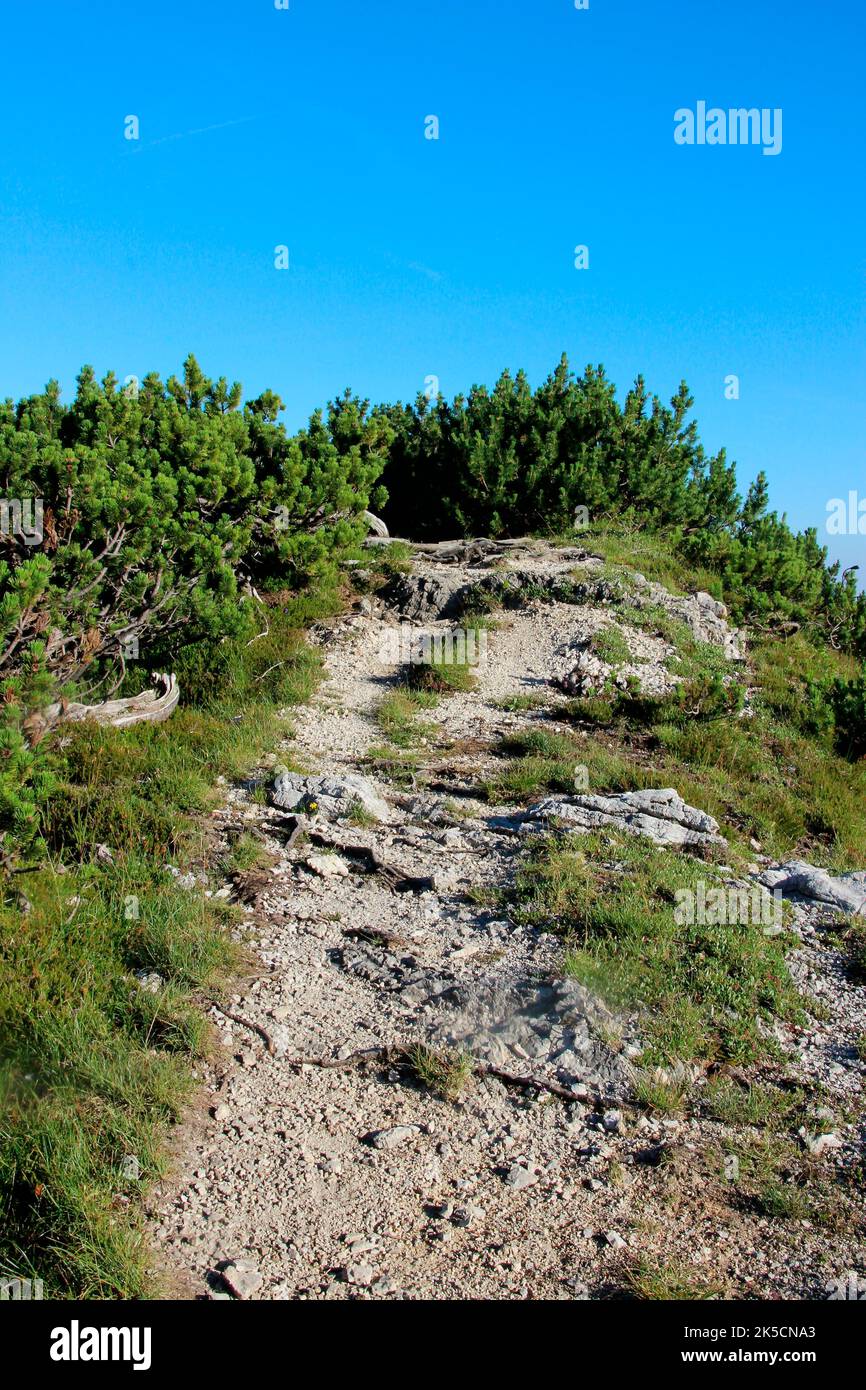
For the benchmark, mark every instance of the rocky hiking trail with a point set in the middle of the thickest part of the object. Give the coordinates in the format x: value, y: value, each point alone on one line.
x: 319, y: 1163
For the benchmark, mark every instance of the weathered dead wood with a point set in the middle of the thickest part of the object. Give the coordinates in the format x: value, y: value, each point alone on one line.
x: 151, y: 707
x: 401, y: 1055
x: 460, y: 551
x: 376, y: 525
x: 246, y: 1023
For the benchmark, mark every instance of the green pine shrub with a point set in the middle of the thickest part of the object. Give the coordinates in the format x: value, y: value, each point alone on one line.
x: 847, y: 700
x: 167, y: 510
x: 512, y: 461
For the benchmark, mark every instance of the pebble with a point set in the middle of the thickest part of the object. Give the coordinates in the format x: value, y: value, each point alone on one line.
x: 242, y: 1278
x: 519, y: 1177
x: 327, y: 865
x: 394, y: 1137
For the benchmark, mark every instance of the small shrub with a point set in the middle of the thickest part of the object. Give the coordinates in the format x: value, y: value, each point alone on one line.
x: 445, y: 1073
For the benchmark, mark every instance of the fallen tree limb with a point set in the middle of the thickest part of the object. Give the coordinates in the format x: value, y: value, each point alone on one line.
x: 150, y: 707
x: 403, y: 1055
x: 466, y: 551
x: 246, y: 1023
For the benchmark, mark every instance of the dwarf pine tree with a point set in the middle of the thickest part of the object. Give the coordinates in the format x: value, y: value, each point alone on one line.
x: 511, y: 461
x: 163, y: 506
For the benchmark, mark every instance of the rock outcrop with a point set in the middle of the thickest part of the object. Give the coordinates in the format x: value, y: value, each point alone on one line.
x: 797, y: 879
x: 335, y: 796
x: 662, y: 816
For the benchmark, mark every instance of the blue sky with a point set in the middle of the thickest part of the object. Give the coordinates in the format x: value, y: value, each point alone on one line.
x: 411, y: 257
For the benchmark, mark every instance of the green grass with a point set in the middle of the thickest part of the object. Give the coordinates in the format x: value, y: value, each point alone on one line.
x: 653, y: 553
x: 672, y: 1280
x: 540, y: 761
x: 609, y: 644
x: 761, y: 777
x: 757, y: 1105
x: 93, y: 1065
x: 702, y: 988
x: 93, y: 1068
x: 777, y: 1181
x: 519, y: 704
x: 399, y: 766
x: 245, y: 854
x: 387, y: 560
x: 664, y: 1097
x: 397, y: 716
x: 445, y: 1073
x: 440, y: 677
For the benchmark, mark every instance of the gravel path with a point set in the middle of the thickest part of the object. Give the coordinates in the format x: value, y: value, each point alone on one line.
x: 297, y: 1180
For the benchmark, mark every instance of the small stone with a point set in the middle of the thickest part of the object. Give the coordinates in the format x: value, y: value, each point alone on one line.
x: 221, y: 1113
x: 383, y: 1285
x: 149, y: 980
x: 519, y: 1177
x: 611, y: 1120
x: 131, y: 1168
x: 467, y: 1216
x: 614, y: 1240
x: 360, y: 1274
x: 242, y: 1278
x: 821, y: 1142
x: 392, y: 1138
x: 327, y: 865
x: 361, y: 1246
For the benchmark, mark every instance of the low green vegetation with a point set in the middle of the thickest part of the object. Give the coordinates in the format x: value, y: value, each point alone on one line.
x: 735, y: 1103
x: 439, y: 676
x: 398, y: 716
x: 539, y: 761
x: 444, y: 1072
x: 671, y: 1280
x: 398, y: 766
x: 763, y: 777
x: 703, y: 988
x: 103, y: 962
x: 772, y: 1177
x: 520, y: 704
x: 609, y: 644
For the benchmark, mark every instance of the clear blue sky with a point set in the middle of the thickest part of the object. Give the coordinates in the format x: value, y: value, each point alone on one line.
x: 454, y: 257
